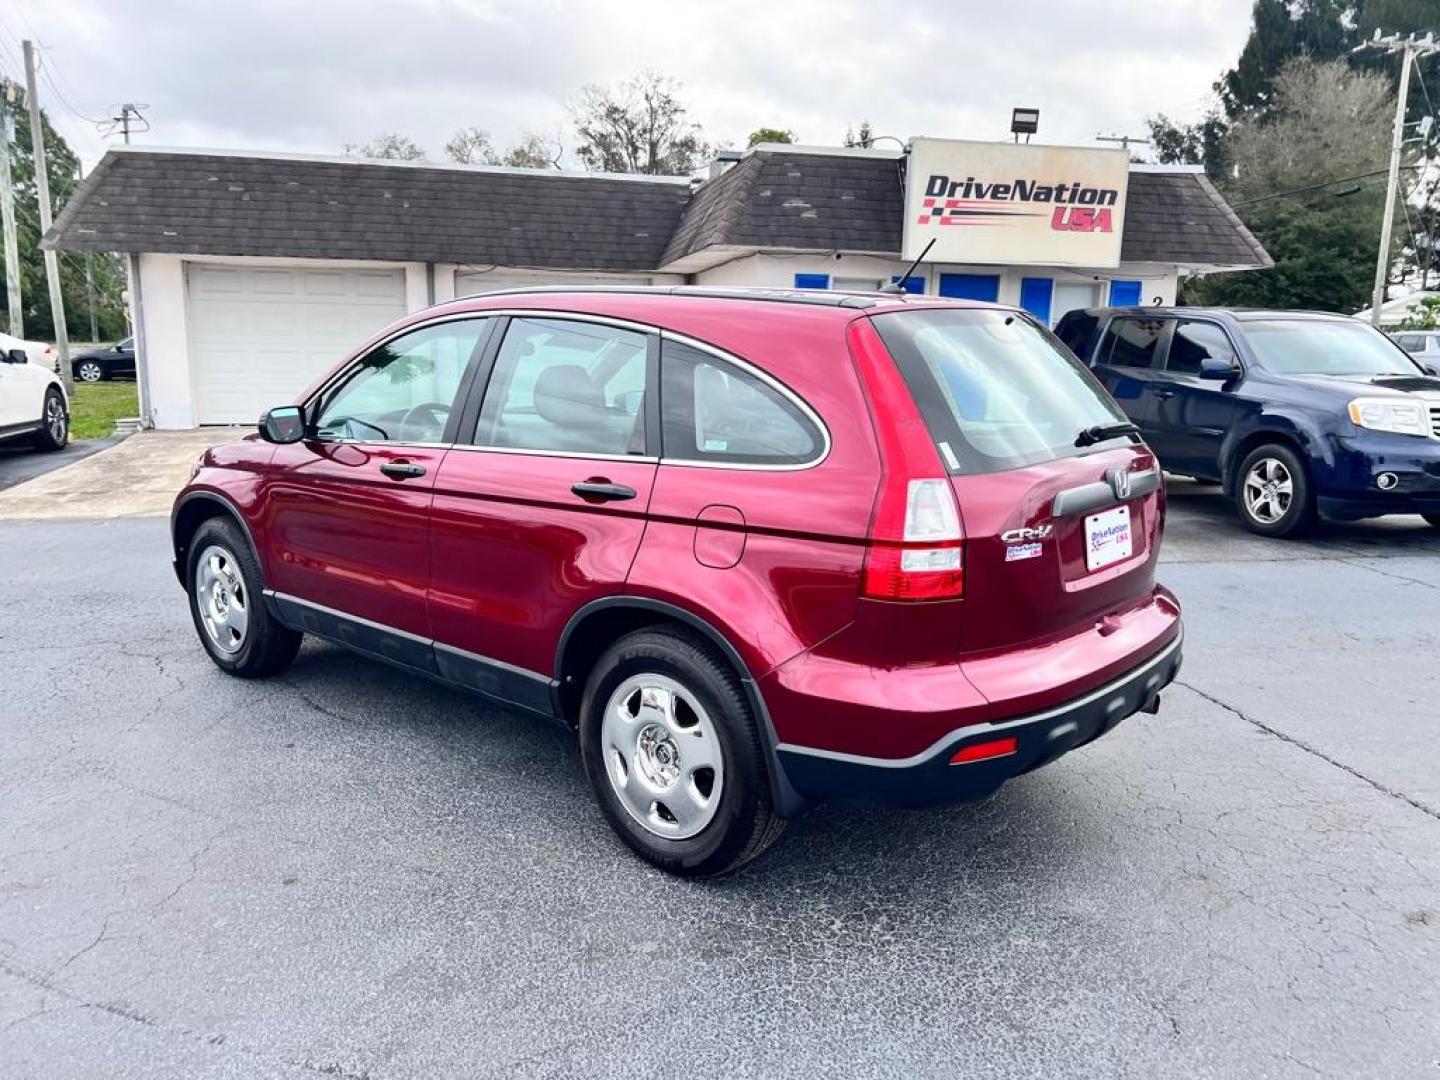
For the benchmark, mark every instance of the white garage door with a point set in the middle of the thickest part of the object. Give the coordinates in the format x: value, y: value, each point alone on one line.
x: 471, y: 282
x: 260, y: 335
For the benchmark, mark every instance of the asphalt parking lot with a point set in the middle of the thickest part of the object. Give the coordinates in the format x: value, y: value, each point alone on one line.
x: 347, y: 872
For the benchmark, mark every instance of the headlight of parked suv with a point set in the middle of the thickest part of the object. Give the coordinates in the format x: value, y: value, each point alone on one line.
x: 1386, y: 414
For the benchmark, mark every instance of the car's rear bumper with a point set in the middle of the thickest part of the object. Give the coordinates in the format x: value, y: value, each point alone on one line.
x: 1039, y: 738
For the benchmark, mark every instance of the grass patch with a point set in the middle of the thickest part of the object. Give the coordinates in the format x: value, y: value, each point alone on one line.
x: 96, y: 406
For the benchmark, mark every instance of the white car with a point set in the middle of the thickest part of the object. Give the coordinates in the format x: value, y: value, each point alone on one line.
x: 32, y: 398
x: 1423, y: 345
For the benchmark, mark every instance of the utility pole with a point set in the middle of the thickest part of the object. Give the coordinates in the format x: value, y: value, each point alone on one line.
x: 1123, y: 140
x: 8, y: 101
x: 1409, y: 49
x: 42, y: 194
x: 129, y: 114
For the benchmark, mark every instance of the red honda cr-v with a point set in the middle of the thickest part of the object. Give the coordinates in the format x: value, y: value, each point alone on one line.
x: 758, y: 548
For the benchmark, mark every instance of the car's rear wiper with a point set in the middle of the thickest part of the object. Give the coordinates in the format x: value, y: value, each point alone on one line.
x: 1100, y: 432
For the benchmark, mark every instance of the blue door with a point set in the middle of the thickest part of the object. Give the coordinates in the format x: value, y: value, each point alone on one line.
x: 971, y: 286
x: 1124, y: 294
x: 1035, y: 294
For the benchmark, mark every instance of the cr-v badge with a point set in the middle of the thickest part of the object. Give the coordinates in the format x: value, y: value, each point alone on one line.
x: 1025, y: 543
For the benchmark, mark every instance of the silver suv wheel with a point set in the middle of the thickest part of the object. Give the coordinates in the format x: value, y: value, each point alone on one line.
x: 662, y: 756
x: 221, y: 598
x: 1268, y: 489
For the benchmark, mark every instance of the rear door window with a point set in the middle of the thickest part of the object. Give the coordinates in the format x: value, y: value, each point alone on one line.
x: 1193, y: 342
x: 716, y: 412
x: 1132, y: 343
x: 997, y: 392
x: 1078, y: 330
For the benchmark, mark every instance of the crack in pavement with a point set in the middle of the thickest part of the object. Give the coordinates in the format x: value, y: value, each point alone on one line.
x: 46, y: 984
x: 1313, y: 751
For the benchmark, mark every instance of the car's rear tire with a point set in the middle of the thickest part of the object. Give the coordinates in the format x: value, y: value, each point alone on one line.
x: 227, y: 604
x: 91, y: 371
x: 54, y: 430
x: 674, y: 753
x: 1272, y: 492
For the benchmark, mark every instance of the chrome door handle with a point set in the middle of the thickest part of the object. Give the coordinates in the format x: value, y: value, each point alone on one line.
x: 402, y: 470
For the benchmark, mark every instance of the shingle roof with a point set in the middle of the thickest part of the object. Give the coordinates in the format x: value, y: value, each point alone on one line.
x: 1179, y: 217
x: 797, y: 200
x: 233, y: 204
x: 225, y: 204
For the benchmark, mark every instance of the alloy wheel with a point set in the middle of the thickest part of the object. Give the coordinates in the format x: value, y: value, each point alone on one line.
x: 90, y: 371
x: 222, y: 599
x: 1269, y: 490
x: 56, y: 422
x: 662, y: 756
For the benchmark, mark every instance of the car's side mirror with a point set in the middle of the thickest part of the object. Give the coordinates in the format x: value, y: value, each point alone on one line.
x: 16, y: 356
x: 1431, y: 367
x: 1218, y: 368
x: 283, y: 425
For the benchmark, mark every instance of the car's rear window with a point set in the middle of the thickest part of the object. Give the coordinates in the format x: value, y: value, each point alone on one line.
x: 997, y: 392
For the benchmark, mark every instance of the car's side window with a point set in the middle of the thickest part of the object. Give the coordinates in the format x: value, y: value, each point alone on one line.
x: 1132, y: 342
x: 566, y: 386
x: 1411, y: 343
x: 1192, y: 342
x: 403, y: 390
x: 714, y: 411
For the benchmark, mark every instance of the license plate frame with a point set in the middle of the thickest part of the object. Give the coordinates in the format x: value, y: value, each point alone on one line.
x: 1109, y: 538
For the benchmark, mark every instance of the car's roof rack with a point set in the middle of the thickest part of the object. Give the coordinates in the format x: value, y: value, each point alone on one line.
x: 814, y: 297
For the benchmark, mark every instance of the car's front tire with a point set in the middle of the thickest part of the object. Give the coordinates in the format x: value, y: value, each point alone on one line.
x: 1272, y: 492
x: 91, y: 371
x: 54, y: 430
x: 674, y: 753
x: 228, y: 606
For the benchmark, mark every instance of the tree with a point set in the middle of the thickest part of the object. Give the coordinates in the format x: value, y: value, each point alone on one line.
x: 1280, y: 31
x: 534, y: 152
x: 1323, y: 123
x: 637, y: 126
x: 1201, y: 143
x: 108, y: 270
x: 769, y: 134
x: 471, y: 146
x: 1424, y: 314
x: 387, y: 146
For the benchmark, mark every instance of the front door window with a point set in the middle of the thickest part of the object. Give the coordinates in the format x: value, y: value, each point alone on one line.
x: 403, y: 390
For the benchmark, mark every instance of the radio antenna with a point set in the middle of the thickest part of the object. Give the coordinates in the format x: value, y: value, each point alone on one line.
x: 897, y: 287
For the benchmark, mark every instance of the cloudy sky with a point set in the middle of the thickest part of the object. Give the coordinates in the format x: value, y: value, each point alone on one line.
x: 311, y: 75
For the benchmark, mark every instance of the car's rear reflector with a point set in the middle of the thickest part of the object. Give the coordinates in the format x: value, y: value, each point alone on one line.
x: 984, y: 751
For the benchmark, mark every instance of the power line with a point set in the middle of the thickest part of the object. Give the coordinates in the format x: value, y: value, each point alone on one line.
x: 1314, y: 187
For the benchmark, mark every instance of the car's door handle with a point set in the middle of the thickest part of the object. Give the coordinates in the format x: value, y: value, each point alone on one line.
x: 402, y: 470
x: 602, y: 490
x: 1163, y: 394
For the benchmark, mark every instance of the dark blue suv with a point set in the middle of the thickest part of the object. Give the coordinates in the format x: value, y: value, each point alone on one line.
x: 1294, y: 412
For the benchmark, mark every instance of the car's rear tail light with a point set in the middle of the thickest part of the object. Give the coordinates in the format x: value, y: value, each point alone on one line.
x: 984, y: 751
x: 916, y: 543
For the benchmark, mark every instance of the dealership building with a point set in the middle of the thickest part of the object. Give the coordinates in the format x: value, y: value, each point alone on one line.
x: 252, y: 273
